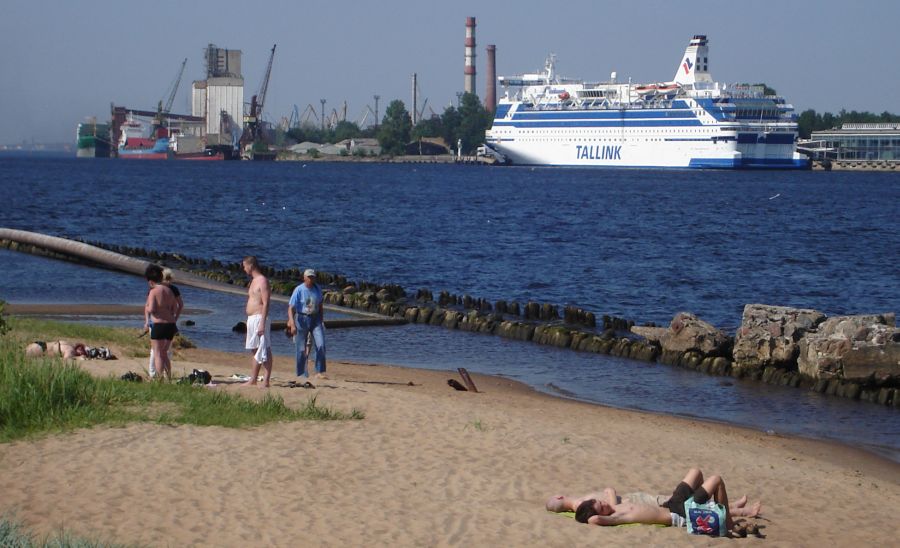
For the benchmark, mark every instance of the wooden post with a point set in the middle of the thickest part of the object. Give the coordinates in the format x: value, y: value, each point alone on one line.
x: 467, y: 379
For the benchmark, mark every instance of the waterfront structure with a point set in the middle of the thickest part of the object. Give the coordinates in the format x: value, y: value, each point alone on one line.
x: 877, y: 142
x: 688, y: 122
x: 220, y: 97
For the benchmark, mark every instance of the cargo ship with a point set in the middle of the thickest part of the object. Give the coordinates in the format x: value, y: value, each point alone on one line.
x: 92, y: 140
x: 688, y: 122
x: 162, y: 144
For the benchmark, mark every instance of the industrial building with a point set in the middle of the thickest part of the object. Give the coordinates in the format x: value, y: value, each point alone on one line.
x: 220, y: 98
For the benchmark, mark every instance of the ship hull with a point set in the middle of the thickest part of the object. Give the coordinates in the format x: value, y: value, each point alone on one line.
x: 645, y: 139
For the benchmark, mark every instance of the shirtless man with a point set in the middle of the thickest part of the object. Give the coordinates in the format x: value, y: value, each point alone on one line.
x: 563, y: 503
x: 259, y: 325
x: 608, y: 510
x: 161, y: 309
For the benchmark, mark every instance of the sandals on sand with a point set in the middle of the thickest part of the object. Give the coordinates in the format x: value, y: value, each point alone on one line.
x: 295, y: 384
x: 742, y: 529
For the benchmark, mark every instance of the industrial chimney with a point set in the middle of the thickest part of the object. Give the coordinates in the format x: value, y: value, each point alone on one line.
x: 490, y: 94
x: 469, y: 71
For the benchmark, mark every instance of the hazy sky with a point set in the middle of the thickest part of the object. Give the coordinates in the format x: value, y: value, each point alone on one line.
x: 63, y: 61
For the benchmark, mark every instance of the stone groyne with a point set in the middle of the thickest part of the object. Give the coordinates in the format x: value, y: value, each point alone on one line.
x: 856, y: 357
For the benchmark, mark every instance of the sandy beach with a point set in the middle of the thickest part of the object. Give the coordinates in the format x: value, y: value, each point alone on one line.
x: 428, y: 466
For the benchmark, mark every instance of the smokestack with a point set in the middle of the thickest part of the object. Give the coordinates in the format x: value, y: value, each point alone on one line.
x: 490, y: 94
x: 415, y: 100
x: 469, y: 70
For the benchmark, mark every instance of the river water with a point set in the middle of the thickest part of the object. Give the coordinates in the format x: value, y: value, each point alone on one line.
x: 638, y: 244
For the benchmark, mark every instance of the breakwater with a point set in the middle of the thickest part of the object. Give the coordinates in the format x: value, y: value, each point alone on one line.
x: 577, y: 329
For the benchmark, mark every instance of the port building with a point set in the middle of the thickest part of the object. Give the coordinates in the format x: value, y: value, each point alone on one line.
x: 220, y: 97
x: 877, y: 142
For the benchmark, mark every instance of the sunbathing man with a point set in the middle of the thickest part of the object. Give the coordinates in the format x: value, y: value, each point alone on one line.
x: 609, y: 509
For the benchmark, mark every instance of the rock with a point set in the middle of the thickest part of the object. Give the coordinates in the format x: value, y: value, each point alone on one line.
x: 411, y: 314
x: 770, y: 335
x: 451, y: 319
x: 686, y: 332
x: 239, y: 327
x: 425, y: 315
x: 858, y: 348
x: 649, y: 333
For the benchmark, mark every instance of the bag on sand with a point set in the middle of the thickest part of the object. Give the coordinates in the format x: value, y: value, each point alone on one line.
x: 705, y: 519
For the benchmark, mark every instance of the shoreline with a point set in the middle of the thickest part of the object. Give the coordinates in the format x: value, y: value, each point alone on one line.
x: 72, y: 311
x: 428, y: 465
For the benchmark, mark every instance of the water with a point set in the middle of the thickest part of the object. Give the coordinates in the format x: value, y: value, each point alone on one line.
x: 637, y: 244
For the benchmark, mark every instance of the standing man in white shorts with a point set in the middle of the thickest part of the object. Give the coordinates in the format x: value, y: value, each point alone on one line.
x: 259, y: 326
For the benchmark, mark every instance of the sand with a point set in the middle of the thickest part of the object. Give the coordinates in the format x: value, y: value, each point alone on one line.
x: 428, y: 466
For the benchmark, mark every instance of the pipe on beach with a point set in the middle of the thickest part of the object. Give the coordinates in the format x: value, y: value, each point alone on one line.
x: 110, y: 260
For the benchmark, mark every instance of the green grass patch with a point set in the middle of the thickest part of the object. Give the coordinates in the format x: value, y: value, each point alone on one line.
x: 14, y: 535
x: 47, y: 395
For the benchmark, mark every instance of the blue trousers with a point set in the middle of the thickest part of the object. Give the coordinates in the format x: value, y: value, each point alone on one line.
x: 305, y: 324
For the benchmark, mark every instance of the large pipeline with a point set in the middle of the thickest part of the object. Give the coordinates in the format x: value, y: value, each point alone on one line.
x: 94, y: 256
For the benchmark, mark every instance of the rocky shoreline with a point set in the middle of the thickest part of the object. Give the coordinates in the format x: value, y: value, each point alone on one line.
x: 855, y: 356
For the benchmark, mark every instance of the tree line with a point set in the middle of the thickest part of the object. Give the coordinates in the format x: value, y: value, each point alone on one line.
x: 810, y: 120
x: 464, y: 125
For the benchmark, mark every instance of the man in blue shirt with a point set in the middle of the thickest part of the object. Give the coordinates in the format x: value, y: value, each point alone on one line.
x: 306, y: 314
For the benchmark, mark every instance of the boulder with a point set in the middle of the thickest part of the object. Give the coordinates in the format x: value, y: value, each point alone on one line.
x: 860, y: 348
x: 688, y: 332
x: 649, y: 333
x: 770, y: 335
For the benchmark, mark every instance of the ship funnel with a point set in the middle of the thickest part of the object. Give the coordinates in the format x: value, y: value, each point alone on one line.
x: 694, y: 65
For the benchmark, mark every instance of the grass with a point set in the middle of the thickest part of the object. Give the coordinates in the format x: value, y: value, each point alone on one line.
x: 48, y: 395
x: 477, y: 425
x: 13, y: 535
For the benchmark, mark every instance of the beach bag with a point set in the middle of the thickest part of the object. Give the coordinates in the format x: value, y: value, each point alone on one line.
x: 199, y: 376
x: 705, y: 519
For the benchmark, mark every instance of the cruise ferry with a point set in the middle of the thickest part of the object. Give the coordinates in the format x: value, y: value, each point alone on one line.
x: 689, y: 122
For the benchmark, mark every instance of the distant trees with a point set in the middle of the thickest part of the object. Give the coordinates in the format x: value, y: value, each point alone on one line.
x: 395, y: 129
x: 473, y: 121
x: 466, y: 124
x: 810, y: 120
x: 342, y: 130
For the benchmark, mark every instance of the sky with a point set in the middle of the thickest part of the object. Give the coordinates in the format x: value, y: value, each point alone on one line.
x: 64, y: 61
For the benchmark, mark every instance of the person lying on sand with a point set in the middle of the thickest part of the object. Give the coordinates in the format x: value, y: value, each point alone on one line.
x: 564, y: 503
x: 66, y: 350
x: 609, y: 509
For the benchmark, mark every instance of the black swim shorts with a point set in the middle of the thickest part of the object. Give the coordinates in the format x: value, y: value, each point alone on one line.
x: 682, y: 493
x: 163, y: 331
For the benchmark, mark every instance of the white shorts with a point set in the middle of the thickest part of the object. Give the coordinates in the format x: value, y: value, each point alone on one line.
x: 262, y: 344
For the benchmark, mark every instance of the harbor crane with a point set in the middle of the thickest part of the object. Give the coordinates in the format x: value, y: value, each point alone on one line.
x: 164, y: 110
x: 252, y: 122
